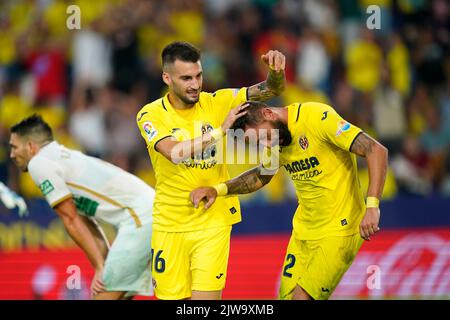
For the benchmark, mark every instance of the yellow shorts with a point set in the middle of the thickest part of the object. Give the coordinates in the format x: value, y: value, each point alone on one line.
x: 317, y: 266
x: 186, y: 261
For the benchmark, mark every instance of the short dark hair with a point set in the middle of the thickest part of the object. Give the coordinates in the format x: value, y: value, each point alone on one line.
x: 253, y: 117
x: 180, y: 50
x: 33, y: 126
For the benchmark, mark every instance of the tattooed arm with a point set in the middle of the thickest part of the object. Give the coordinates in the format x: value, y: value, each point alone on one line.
x: 249, y: 181
x: 275, y: 82
x: 377, y: 161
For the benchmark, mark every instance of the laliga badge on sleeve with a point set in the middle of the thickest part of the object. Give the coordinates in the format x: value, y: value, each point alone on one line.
x: 342, y: 127
x: 150, y: 130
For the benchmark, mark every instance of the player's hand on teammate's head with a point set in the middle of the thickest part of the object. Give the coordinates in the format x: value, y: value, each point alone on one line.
x: 207, y: 194
x: 233, y: 115
x: 275, y: 60
x: 369, y: 224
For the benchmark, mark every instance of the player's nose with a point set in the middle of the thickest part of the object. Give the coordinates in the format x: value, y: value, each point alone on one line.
x: 195, y: 84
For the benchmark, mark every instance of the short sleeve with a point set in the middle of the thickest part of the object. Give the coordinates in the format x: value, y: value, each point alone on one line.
x: 224, y: 100
x: 331, y: 127
x: 49, y: 177
x: 152, y: 127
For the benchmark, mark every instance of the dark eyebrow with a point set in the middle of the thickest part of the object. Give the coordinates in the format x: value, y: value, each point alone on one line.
x: 187, y: 76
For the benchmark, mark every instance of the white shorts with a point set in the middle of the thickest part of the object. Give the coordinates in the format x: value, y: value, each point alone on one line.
x: 127, y: 266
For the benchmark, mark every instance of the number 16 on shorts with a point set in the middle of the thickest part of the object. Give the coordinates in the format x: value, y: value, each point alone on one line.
x: 158, y: 262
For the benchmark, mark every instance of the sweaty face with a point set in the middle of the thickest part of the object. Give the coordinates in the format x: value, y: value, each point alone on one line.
x: 185, y: 80
x: 272, y: 132
x: 20, y: 152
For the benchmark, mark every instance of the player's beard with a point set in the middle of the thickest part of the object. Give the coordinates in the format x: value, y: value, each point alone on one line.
x: 285, y: 137
x: 23, y: 168
x: 185, y: 98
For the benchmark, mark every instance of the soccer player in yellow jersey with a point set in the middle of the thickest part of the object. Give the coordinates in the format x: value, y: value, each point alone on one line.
x: 317, y: 148
x: 190, y: 248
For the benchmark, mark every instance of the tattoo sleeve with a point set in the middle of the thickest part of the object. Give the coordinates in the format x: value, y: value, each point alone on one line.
x: 271, y: 87
x: 377, y: 162
x: 248, y: 181
x: 362, y: 145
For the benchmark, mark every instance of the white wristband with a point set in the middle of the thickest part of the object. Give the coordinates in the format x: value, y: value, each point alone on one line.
x: 217, y: 133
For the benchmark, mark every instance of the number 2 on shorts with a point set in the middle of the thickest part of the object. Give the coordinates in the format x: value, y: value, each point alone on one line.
x: 291, y: 261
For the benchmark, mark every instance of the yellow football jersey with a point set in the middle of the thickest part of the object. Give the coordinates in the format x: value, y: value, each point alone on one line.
x: 172, y: 209
x: 324, y: 172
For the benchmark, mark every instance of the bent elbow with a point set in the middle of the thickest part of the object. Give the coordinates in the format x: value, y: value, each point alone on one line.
x: 176, y: 160
x: 177, y: 153
x: 172, y: 157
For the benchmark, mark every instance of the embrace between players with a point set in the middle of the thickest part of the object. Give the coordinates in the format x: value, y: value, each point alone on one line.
x: 190, y: 246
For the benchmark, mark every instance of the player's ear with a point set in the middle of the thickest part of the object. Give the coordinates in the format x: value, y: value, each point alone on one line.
x: 166, y: 78
x: 32, y: 146
x: 268, y: 114
x: 29, y: 147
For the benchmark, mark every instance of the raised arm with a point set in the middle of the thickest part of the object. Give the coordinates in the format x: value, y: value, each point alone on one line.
x: 249, y: 181
x: 377, y: 161
x: 275, y: 82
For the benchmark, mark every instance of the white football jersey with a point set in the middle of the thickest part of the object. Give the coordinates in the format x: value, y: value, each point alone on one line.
x: 99, y: 189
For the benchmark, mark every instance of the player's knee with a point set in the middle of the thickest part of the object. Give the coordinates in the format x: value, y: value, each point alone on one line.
x: 300, y: 294
x: 206, y: 295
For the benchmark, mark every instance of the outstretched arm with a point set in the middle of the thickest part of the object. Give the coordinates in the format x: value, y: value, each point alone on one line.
x: 377, y: 161
x: 275, y: 82
x: 249, y: 181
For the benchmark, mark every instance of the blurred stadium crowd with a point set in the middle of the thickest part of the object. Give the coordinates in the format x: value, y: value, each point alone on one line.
x: 90, y: 83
